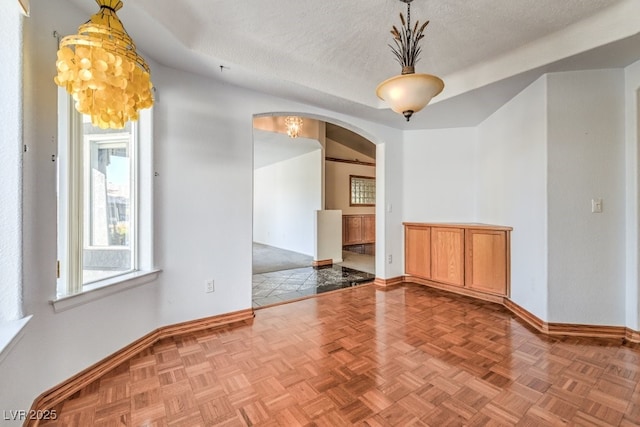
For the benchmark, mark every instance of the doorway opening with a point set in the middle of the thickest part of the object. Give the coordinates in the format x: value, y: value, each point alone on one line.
x: 309, y: 236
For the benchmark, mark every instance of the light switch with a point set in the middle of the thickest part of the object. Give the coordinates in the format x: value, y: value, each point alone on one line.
x: 596, y: 205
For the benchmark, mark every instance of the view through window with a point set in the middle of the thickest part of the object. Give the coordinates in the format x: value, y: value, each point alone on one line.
x: 109, y: 208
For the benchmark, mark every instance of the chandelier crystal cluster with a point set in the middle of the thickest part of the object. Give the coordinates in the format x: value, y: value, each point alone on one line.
x: 294, y: 125
x: 409, y: 92
x: 101, y: 69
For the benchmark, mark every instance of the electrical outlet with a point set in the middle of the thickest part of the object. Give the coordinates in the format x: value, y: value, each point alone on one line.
x: 209, y: 286
x: 389, y: 259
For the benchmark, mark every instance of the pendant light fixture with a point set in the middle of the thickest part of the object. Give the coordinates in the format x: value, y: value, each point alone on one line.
x: 409, y: 92
x: 294, y: 126
x: 101, y: 69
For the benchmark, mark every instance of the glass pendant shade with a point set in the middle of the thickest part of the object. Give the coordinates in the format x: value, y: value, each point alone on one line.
x: 409, y: 93
x: 101, y: 69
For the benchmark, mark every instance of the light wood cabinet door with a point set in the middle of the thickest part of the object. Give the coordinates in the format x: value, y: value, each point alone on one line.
x: 487, y: 261
x: 417, y: 251
x: 369, y: 228
x: 447, y: 255
x: 351, y: 230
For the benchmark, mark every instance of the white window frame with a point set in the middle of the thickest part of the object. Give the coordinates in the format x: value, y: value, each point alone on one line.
x: 70, y: 290
x: 114, y: 138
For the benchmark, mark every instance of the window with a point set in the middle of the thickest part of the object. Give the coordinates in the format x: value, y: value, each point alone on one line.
x: 362, y: 190
x: 104, y: 194
x: 109, y: 200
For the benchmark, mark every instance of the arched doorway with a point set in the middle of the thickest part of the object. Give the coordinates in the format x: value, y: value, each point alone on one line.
x: 302, y: 188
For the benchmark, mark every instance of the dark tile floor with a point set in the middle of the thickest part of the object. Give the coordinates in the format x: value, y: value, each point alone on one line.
x: 287, y: 285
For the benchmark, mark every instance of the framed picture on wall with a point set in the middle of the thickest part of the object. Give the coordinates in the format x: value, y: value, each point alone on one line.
x: 362, y: 190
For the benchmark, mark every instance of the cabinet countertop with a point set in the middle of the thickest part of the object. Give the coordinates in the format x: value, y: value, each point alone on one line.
x: 473, y: 225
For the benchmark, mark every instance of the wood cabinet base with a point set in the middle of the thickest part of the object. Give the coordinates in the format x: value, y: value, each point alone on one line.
x: 498, y: 299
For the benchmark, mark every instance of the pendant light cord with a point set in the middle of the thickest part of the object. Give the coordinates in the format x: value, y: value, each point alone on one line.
x: 409, y: 20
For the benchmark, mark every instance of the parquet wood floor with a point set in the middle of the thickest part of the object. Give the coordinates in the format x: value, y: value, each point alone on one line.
x: 410, y: 355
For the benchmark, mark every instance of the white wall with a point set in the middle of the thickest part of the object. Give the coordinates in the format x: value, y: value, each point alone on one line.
x: 389, y: 209
x: 10, y: 166
x: 328, y: 236
x: 632, y: 178
x: 338, y: 186
x: 511, y: 189
x: 383, y: 242
x: 286, y: 197
x: 586, y: 160
x: 438, y: 175
x: 203, y: 155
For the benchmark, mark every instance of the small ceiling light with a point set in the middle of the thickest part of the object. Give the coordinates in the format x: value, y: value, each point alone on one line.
x: 101, y: 69
x: 294, y: 125
x: 409, y: 92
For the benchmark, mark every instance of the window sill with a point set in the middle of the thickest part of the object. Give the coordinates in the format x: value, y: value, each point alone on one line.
x: 104, y: 288
x: 10, y: 334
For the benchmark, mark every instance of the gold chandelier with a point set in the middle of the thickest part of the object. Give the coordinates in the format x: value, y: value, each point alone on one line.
x: 294, y: 125
x: 101, y: 69
x: 409, y: 92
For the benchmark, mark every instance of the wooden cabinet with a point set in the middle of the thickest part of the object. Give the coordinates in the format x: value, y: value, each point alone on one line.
x: 487, y: 260
x: 369, y: 228
x: 351, y: 229
x: 417, y: 250
x: 474, y: 258
x: 358, y: 229
x: 447, y: 255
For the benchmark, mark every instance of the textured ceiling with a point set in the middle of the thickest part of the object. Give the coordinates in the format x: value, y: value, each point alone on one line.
x: 333, y: 53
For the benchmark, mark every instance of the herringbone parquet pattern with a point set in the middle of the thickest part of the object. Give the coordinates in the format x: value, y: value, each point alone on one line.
x: 407, y: 356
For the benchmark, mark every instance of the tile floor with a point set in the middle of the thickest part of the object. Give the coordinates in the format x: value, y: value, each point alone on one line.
x: 286, y: 285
